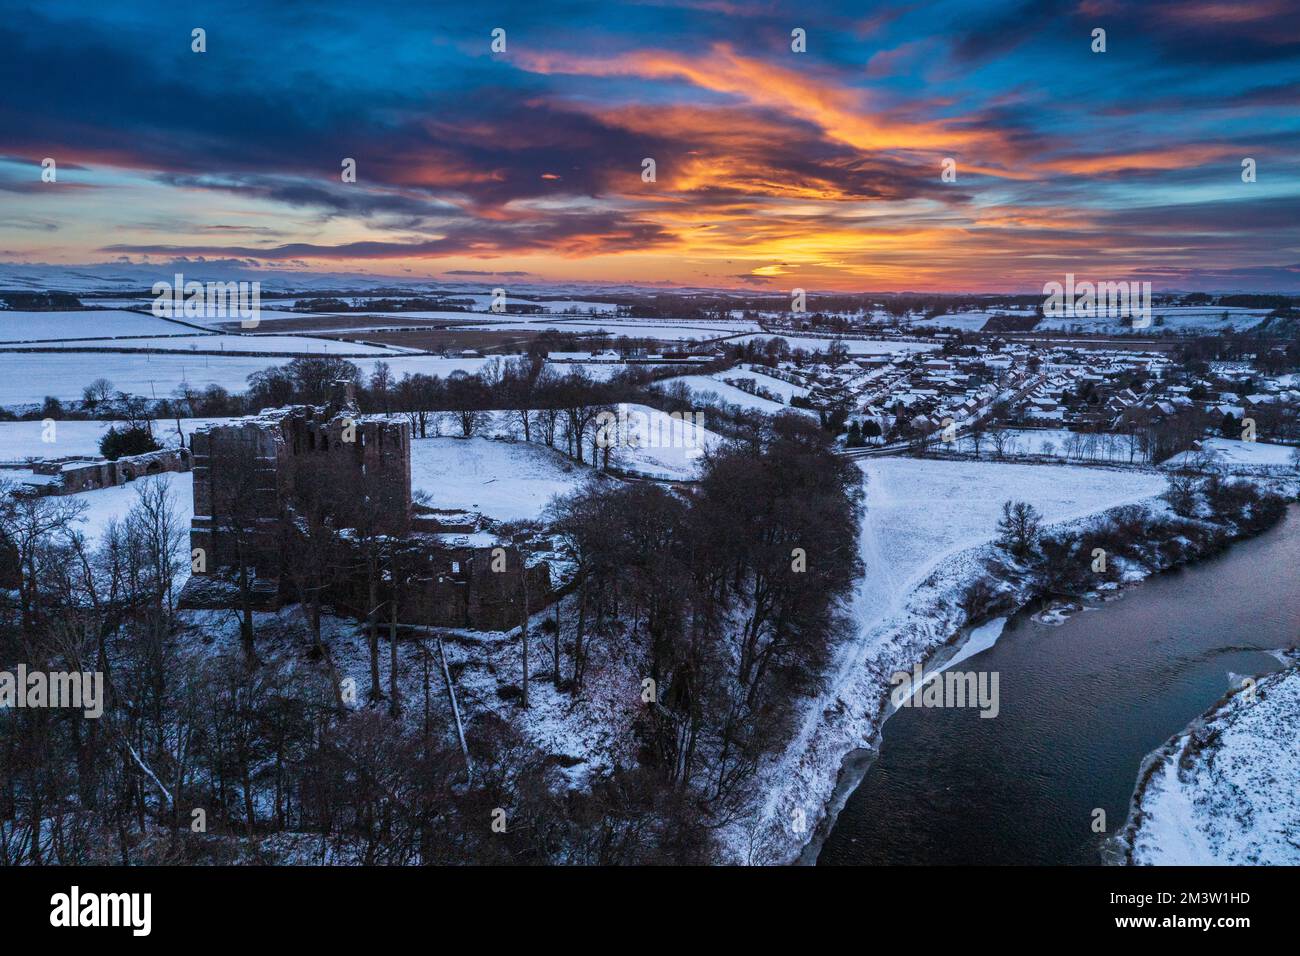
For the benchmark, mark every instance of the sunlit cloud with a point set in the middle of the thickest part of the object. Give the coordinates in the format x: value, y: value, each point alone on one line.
x: 772, y: 168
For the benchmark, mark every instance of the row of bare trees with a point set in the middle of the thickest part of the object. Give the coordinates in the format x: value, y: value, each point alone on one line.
x: 726, y: 596
x: 201, y: 755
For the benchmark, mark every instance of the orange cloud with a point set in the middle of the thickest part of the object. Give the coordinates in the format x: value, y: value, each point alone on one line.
x: 1171, y: 157
x: 842, y: 113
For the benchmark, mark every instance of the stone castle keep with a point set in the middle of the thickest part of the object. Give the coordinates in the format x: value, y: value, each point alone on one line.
x: 253, y: 476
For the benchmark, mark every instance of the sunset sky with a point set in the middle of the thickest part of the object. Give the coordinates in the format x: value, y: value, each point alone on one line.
x: 775, y: 169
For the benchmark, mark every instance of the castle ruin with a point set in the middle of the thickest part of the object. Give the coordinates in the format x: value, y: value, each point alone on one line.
x: 351, y: 473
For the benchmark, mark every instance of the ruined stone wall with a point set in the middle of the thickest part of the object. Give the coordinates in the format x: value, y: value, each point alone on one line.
x: 250, y: 473
x: 496, y: 598
x: 361, y: 468
x: 454, y: 587
x: 236, y: 483
x: 88, y: 474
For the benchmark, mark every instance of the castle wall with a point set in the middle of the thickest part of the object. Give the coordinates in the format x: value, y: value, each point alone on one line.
x: 250, y: 475
x: 89, y: 474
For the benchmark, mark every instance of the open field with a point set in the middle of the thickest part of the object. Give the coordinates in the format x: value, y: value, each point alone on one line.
x: 27, y: 378
x: 854, y: 346
x: 234, y: 344
x: 701, y: 385
x: 450, y: 340
x: 506, y: 481
x: 55, y: 326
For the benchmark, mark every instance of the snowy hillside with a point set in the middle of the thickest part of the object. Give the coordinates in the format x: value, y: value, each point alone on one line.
x: 703, y: 385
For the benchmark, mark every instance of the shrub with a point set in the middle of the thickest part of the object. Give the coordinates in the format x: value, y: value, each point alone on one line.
x: 132, y: 440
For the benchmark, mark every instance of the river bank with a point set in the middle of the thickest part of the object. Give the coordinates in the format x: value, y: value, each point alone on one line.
x: 938, y: 617
x: 1225, y: 790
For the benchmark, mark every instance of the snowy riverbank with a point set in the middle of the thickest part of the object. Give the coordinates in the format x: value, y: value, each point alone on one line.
x: 1223, y: 791
x: 926, y: 537
x: 925, y: 541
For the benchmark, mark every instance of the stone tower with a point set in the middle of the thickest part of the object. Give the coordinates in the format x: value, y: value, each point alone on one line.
x: 254, y: 473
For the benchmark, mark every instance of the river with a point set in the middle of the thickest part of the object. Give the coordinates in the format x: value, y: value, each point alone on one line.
x: 1081, y: 704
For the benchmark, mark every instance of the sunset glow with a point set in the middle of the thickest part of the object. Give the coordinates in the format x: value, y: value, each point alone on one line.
x: 774, y: 168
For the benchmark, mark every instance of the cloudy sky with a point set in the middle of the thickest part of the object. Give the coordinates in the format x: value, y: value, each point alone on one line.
x: 774, y: 168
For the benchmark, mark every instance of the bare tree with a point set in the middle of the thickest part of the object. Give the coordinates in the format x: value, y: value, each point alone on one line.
x: 157, y: 520
x: 1001, y: 437
x: 236, y: 478
x: 1019, y: 527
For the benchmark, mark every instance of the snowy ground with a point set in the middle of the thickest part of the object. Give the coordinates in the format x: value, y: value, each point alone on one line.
x: 701, y: 385
x: 28, y: 326
x: 925, y: 536
x: 1240, y: 456
x: 507, y: 481
x: 664, y: 331
x: 1063, y: 444
x: 920, y: 512
x: 854, y: 346
x: 1197, y: 320
x: 966, y: 321
x: 596, y: 371
x: 196, y: 342
x: 20, y: 440
x: 652, y: 444
x: 777, y: 386
x: 1224, y: 792
x: 27, y: 379
x: 106, y: 504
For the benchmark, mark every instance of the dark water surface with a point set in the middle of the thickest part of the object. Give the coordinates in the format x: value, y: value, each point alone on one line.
x: 1081, y: 705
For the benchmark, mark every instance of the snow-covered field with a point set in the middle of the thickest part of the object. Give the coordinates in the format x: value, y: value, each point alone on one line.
x: 106, y: 504
x: 575, y: 305
x: 1179, y: 319
x: 653, y: 444
x: 27, y: 379
x: 597, y: 371
x: 701, y: 385
x: 1063, y: 444
x: 1224, y: 792
x: 920, y: 512
x: 197, y: 342
x: 507, y: 481
x: 925, y: 535
x: 664, y: 331
x: 769, y: 383
x: 966, y: 321
x: 363, y: 320
x: 19, y: 440
x: 18, y: 326
x: 1240, y: 455
x: 854, y: 346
